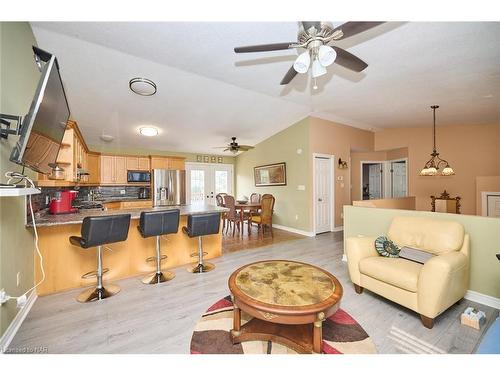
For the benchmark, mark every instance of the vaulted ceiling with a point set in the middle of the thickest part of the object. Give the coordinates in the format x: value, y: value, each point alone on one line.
x: 207, y: 93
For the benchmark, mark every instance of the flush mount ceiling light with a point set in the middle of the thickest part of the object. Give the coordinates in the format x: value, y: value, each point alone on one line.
x: 107, y: 137
x: 148, y: 131
x: 142, y: 86
x: 434, y: 164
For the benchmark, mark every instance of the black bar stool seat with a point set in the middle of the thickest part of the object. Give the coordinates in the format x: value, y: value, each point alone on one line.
x: 198, y: 226
x: 157, y: 224
x: 98, y: 231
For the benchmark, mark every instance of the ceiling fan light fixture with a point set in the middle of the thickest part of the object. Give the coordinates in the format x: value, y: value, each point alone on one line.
x: 326, y: 55
x: 301, y: 64
x: 317, y: 69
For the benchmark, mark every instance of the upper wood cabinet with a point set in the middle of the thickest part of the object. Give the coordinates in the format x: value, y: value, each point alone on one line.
x: 113, y: 169
x: 94, y: 168
x: 162, y: 162
x: 137, y: 163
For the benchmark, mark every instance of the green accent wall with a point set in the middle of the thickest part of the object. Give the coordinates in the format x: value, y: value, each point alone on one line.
x: 190, y: 157
x: 484, y: 239
x: 282, y: 147
x: 18, y: 80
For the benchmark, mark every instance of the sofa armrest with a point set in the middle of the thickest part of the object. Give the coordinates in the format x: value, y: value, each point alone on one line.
x: 356, y: 249
x: 443, y: 281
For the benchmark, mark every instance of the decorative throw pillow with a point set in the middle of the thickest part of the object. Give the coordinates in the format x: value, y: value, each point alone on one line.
x: 386, y: 247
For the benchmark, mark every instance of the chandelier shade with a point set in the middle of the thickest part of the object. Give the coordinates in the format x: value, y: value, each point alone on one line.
x: 436, y: 166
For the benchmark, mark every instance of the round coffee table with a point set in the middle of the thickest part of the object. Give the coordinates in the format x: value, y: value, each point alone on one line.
x: 288, y: 301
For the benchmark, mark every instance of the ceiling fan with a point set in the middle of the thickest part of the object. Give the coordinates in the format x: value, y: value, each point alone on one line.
x: 315, y: 37
x: 234, y: 147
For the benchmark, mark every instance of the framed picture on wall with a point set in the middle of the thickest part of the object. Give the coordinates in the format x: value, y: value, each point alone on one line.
x: 270, y: 175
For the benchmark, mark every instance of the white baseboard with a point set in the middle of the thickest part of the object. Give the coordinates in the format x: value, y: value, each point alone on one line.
x: 338, y: 229
x: 293, y: 230
x: 483, y: 299
x: 344, y: 258
x: 11, y: 330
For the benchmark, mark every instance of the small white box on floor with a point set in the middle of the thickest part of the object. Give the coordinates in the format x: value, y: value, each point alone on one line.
x: 473, y: 318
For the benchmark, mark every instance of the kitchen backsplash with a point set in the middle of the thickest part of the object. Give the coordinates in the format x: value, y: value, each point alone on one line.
x: 41, y: 201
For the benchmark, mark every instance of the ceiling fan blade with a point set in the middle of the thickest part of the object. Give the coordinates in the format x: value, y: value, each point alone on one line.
x: 308, y: 24
x: 220, y: 147
x: 353, y: 28
x: 348, y: 60
x: 288, y: 76
x: 263, y: 47
x: 245, y: 147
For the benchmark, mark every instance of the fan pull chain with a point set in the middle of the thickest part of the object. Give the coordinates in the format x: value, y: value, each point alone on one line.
x: 315, y: 86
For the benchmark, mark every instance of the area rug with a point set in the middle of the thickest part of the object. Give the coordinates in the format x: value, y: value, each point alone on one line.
x: 341, y: 335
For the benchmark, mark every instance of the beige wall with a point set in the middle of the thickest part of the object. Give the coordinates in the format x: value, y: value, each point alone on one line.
x: 471, y: 150
x: 485, y: 183
x: 484, y: 239
x: 327, y: 137
x: 18, y: 80
x: 405, y: 203
x: 282, y: 147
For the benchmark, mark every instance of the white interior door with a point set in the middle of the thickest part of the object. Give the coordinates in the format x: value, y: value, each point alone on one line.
x: 398, y: 179
x: 323, y: 194
x: 205, y: 181
x: 375, y: 181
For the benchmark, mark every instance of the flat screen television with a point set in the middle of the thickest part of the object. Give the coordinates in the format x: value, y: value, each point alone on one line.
x: 42, y: 129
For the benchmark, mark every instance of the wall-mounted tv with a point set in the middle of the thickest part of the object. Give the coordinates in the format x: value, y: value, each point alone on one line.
x: 42, y: 129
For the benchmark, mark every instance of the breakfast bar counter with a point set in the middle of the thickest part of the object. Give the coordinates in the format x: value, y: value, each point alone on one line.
x: 65, y: 264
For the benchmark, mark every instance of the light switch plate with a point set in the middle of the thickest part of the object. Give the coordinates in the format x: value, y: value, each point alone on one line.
x: 301, y: 187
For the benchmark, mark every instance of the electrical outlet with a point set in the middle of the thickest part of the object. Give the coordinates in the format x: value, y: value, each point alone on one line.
x: 18, y: 278
x: 341, y: 215
x: 122, y: 192
x: 296, y: 217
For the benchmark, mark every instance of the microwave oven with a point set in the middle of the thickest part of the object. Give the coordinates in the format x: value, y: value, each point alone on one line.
x: 138, y: 176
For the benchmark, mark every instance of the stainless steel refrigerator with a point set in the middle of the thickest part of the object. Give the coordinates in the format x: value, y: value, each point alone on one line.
x: 169, y: 187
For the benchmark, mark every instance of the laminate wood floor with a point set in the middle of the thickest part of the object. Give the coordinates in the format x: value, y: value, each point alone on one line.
x: 160, y: 318
x: 246, y: 241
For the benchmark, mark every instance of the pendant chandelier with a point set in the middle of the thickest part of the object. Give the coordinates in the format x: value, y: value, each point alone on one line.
x: 435, y: 163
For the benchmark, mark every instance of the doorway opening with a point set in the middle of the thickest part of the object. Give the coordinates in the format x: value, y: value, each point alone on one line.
x: 384, y: 179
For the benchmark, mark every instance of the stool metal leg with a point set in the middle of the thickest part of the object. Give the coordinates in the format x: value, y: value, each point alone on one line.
x: 99, y: 292
x: 158, y: 276
x: 201, y: 266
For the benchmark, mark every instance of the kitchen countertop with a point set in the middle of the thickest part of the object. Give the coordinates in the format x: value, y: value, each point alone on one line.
x: 44, y: 219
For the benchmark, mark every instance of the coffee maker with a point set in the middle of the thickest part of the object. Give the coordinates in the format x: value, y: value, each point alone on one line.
x: 61, y: 202
x: 144, y: 193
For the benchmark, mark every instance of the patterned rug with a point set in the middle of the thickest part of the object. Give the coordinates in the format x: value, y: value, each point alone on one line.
x: 341, y: 335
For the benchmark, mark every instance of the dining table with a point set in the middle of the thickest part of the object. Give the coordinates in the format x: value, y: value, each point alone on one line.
x: 248, y: 206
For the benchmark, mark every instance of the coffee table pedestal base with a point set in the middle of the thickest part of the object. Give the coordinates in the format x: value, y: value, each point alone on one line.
x: 302, y: 338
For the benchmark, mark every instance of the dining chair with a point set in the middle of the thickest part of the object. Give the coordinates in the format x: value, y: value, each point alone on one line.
x: 233, y: 217
x: 265, y: 218
x: 255, y: 198
x: 219, y: 198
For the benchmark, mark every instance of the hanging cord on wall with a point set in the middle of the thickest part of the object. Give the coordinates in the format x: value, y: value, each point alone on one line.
x: 21, y: 300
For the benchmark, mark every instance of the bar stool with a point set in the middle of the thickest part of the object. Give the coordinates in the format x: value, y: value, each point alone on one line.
x: 198, y: 226
x: 98, y: 231
x: 158, y: 223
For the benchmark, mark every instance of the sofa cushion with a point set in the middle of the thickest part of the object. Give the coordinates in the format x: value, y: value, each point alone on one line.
x: 434, y: 236
x: 398, y: 272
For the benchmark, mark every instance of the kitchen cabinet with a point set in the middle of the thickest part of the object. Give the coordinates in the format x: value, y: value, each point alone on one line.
x: 94, y: 168
x: 161, y: 162
x: 137, y: 163
x: 113, y: 170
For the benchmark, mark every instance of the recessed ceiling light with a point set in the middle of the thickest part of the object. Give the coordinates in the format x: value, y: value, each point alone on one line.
x: 148, y: 131
x: 142, y: 86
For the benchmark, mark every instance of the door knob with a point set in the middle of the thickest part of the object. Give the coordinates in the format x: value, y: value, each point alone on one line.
x: 320, y: 200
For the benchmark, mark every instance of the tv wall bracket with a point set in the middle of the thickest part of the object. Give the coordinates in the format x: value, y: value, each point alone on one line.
x: 6, y: 122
